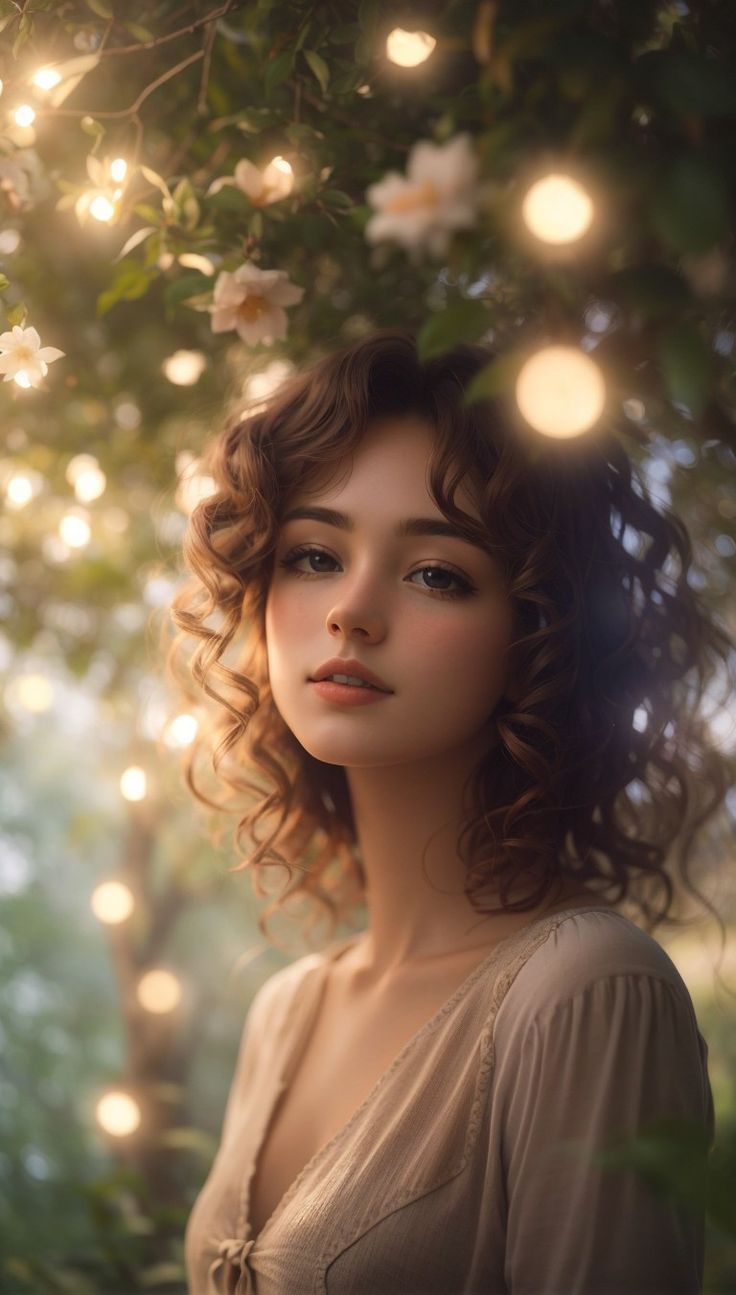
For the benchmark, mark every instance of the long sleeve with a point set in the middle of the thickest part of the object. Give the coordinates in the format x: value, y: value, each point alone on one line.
x: 622, y: 1053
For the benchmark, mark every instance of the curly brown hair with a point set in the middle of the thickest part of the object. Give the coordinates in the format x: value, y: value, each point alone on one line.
x: 603, y: 769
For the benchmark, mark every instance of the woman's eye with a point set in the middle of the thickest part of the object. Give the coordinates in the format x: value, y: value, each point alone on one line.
x: 436, y: 569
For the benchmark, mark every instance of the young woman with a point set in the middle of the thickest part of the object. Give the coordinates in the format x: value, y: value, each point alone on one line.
x: 500, y: 766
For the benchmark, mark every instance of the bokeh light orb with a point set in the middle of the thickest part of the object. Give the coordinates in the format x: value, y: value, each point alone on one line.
x: 118, y: 1113
x: 159, y: 991
x: 560, y: 391
x: 112, y: 902
x: 556, y: 209
x: 409, y: 48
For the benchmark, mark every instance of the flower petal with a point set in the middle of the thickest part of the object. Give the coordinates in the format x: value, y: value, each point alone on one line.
x: 31, y: 338
x: 248, y: 178
x: 50, y: 353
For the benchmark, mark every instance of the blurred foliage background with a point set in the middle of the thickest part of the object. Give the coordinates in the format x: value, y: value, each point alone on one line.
x: 146, y: 151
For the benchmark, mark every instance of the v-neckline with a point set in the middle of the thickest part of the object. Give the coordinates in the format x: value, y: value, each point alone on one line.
x: 290, y: 1061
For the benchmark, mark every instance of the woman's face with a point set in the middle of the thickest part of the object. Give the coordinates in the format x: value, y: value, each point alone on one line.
x: 370, y: 596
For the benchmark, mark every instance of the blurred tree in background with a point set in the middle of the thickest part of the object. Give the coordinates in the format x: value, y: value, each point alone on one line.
x: 194, y: 199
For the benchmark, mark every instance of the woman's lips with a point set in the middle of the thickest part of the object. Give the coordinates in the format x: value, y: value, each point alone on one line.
x: 347, y: 694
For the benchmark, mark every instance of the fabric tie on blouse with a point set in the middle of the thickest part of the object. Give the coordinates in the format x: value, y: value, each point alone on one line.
x: 229, y: 1274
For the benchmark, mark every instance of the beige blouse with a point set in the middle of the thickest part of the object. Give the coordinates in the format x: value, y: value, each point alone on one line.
x: 468, y: 1169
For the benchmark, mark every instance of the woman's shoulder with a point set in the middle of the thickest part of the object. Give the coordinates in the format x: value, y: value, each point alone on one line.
x: 570, y: 953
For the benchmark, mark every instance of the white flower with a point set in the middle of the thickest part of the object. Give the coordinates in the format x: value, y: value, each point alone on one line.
x: 261, y: 187
x: 251, y: 301
x: 438, y: 195
x: 21, y: 353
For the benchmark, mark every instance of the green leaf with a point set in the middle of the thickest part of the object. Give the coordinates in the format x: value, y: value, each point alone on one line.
x: 148, y: 213
x: 4, y: 282
x: 154, y: 178
x: 131, y: 281
x: 691, y: 207
x: 25, y: 27
x: 134, y: 240
x: 496, y: 379
x: 686, y: 84
x: 101, y: 8
x: 343, y: 33
x: 319, y: 67
x: 8, y: 13
x: 336, y: 198
x: 186, y: 202
x: 655, y: 291
x: 461, y: 321
x: 17, y: 314
x: 278, y: 70
x: 688, y: 366
x: 182, y: 289
x: 92, y: 127
x: 140, y: 32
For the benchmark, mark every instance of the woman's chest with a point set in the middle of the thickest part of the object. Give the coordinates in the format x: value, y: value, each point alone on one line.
x: 348, y: 1051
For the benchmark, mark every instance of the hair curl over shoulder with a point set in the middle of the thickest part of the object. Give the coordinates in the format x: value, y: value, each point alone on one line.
x: 603, y: 768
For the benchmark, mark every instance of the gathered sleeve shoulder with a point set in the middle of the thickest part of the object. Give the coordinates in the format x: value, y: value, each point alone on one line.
x: 596, y: 1040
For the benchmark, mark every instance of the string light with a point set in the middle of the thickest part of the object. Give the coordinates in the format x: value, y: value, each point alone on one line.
x: 133, y: 783
x: 25, y: 115
x: 118, y: 169
x: 118, y: 1114
x: 102, y: 208
x: 22, y: 379
x: 556, y: 209
x: 409, y: 48
x: 112, y: 902
x: 46, y: 78
x: 560, y: 391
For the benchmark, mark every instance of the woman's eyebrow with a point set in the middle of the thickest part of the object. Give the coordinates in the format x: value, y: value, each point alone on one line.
x: 409, y: 525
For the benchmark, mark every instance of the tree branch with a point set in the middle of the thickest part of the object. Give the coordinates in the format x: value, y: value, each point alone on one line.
x: 134, y: 107
x: 174, y: 35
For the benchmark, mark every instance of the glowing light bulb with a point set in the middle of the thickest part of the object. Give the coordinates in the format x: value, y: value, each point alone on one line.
x: 118, y: 169
x: 22, y: 379
x: 25, y: 115
x: 560, y: 391
x: 557, y: 209
x: 118, y: 1114
x: 46, y: 78
x: 133, y: 783
x: 112, y: 902
x: 409, y: 48
x: 101, y: 208
x: 159, y: 991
